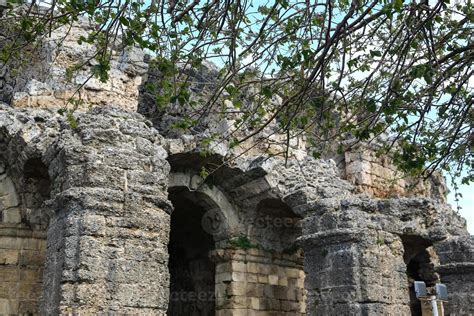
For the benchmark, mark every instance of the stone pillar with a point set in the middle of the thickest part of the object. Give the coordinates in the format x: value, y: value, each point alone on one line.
x: 456, y: 269
x: 351, y: 272
x: 107, y: 243
x: 257, y: 282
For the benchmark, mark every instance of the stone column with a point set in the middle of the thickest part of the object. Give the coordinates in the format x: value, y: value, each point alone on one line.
x: 456, y: 255
x: 355, y: 272
x: 107, y: 243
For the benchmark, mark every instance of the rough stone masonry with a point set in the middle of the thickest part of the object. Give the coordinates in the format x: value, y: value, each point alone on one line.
x: 112, y: 215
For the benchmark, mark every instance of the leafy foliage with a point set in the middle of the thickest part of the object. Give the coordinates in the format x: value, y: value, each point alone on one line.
x: 342, y: 69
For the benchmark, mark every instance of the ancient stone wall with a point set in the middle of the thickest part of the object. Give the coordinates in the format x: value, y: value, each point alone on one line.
x: 22, y: 240
x: 44, y: 81
x: 379, y: 177
x: 111, y: 209
x: 102, y: 192
x: 456, y: 270
x: 256, y: 282
x: 110, y: 224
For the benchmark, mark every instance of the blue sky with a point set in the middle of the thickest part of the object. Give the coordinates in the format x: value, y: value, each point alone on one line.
x: 467, y: 191
x: 467, y: 204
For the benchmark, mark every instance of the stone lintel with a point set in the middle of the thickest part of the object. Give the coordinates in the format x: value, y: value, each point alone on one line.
x: 331, y: 237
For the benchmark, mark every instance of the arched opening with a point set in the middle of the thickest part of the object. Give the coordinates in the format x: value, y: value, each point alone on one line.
x: 192, y: 273
x: 36, y: 189
x: 23, y: 224
x: 419, y: 260
x: 258, y: 263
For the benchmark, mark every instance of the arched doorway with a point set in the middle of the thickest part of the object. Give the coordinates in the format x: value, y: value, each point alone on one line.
x: 420, y: 265
x: 23, y: 224
x: 192, y: 272
x: 255, y: 264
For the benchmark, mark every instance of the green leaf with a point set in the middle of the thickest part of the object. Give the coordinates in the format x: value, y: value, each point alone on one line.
x: 398, y: 5
x: 371, y: 106
x: 124, y: 21
x: 375, y: 53
x: 267, y: 92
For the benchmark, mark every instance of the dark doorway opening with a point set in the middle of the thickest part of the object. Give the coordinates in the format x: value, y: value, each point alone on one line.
x: 192, y: 273
x: 420, y: 267
x: 413, y: 275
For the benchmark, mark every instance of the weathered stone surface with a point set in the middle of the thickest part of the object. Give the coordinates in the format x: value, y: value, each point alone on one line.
x: 110, y: 223
x: 456, y: 268
x: 379, y: 177
x: 42, y: 83
x: 86, y: 210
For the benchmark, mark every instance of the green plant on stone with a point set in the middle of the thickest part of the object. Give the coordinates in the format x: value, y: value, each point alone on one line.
x: 242, y: 242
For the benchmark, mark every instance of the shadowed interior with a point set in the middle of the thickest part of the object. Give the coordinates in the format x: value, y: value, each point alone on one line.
x: 191, y: 271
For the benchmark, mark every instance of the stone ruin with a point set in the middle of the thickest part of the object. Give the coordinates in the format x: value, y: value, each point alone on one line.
x: 113, y: 216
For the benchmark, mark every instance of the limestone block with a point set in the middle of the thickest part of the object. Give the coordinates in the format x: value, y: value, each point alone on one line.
x: 252, y: 267
x: 264, y: 268
x: 10, y: 242
x: 8, y: 194
x: 221, y: 290
x: 260, y: 289
x: 251, y: 290
x: 269, y: 291
x: 263, y: 278
x: 275, y: 304
x: 252, y: 277
x: 12, y: 215
x: 223, y: 277
x: 28, y: 307
x: 273, y: 279
x: 8, y: 256
x: 31, y: 243
x: 9, y: 273
x: 239, y: 302
x: 223, y: 267
x: 357, y: 167
x: 238, y: 266
x: 289, y: 306
x: 362, y: 178
x: 30, y: 275
x: 29, y: 291
x: 255, y: 303
x: 239, y: 276
x: 32, y: 258
x: 283, y: 281
x: 9, y: 307
x: 237, y: 288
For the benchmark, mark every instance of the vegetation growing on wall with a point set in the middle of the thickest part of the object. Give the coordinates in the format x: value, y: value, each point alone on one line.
x: 332, y: 69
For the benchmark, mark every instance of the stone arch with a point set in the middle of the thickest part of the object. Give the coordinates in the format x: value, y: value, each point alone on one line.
x: 23, y: 227
x: 254, y: 272
x: 211, y: 199
x: 25, y: 187
x: 201, y: 221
